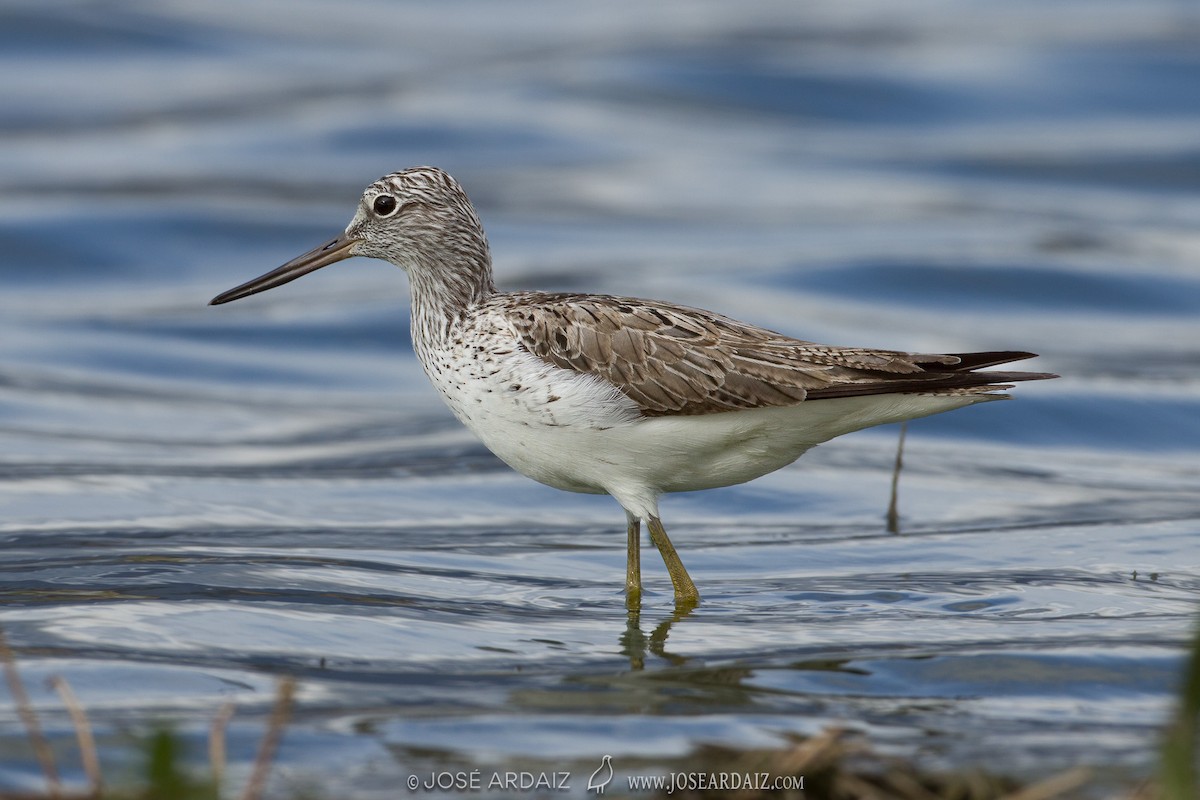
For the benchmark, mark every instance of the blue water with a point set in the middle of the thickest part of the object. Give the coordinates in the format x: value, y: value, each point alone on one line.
x: 195, y: 501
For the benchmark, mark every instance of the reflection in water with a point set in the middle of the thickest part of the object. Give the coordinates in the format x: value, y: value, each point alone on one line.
x: 635, y: 644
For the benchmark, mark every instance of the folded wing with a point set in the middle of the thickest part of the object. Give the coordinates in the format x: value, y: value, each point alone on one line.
x: 673, y: 360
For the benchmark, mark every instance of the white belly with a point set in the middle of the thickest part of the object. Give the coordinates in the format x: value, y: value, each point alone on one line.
x: 576, y: 432
x: 545, y: 422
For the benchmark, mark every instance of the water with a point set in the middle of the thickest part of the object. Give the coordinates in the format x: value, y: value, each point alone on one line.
x: 197, y: 500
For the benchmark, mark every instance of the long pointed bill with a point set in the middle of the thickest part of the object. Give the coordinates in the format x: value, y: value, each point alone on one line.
x: 322, y: 256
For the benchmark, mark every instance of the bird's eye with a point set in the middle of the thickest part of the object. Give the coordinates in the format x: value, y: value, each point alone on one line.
x: 385, y: 204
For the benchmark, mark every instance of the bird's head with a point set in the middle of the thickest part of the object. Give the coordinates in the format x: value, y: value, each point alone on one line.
x: 419, y: 219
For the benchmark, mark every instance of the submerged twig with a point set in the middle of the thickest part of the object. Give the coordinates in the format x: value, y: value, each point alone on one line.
x: 893, y: 512
x: 41, y: 747
x: 270, y: 740
x: 83, y: 734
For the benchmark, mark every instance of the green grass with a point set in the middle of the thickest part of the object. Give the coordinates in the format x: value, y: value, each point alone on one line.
x: 1177, y: 774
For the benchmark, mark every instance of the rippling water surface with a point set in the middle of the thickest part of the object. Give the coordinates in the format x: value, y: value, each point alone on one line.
x: 196, y: 500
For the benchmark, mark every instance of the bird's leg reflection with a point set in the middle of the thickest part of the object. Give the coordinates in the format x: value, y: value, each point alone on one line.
x: 634, y: 643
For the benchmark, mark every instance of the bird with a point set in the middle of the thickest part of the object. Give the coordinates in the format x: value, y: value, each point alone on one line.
x: 623, y: 396
x: 602, y: 776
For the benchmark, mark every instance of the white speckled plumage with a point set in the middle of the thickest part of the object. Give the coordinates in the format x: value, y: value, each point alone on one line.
x: 629, y: 397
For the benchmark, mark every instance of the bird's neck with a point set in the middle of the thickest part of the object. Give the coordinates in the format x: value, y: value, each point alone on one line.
x: 443, y: 293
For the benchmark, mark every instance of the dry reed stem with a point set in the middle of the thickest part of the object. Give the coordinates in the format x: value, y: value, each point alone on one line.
x: 270, y: 740
x: 33, y: 728
x: 83, y: 734
x: 216, y: 742
x: 1054, y: 786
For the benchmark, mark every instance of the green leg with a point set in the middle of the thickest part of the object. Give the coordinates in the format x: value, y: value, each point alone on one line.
x: 633, y: 567
x: 685, y: 591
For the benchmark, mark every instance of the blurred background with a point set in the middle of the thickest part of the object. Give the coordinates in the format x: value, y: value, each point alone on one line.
x: 196, y: 500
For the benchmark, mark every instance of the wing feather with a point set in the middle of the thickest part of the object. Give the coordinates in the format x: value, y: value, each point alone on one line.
x: 674, y: 360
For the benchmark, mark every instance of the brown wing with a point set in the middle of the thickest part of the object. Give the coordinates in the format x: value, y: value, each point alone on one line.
x: 675, y: 360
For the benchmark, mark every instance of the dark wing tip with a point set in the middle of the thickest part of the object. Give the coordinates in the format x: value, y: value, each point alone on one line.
x: 968, y: 362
